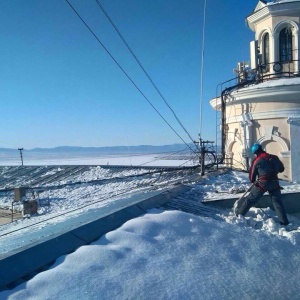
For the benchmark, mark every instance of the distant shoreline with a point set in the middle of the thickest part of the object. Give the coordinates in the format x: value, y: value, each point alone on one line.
x: 142, y: 149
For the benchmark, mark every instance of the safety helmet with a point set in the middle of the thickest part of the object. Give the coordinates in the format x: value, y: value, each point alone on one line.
x: 255, y: 148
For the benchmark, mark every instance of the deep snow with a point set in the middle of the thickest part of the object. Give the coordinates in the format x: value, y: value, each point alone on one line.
x: 173, y: 255
x: 177, y: 255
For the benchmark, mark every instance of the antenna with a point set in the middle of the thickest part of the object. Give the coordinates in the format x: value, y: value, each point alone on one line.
x: 21, y: 149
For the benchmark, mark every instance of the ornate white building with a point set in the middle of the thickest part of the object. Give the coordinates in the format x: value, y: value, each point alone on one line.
x: 264, y: 104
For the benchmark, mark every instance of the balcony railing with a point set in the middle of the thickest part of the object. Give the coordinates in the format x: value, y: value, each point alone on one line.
x: 270, y: 71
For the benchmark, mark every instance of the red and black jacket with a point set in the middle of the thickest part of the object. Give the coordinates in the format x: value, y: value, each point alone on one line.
x: 265, y: 168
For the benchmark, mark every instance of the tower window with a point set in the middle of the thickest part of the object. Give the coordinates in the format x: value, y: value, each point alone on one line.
x: 285, y: 45
x: 266, y: 49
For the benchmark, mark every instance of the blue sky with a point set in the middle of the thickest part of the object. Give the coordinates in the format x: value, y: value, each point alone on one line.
x: 59, y: 87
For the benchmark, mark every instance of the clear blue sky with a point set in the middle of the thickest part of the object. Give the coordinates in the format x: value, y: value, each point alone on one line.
x: 59, y: 87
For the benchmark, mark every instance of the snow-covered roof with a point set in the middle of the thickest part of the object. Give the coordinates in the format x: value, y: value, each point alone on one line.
x: 260, y: 5
x: 177, y: 255
x: 277, y: 82
x: 281, y: 1
x: 263, y: 10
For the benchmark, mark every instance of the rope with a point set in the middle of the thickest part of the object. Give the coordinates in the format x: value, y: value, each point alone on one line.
x: 125, y: 73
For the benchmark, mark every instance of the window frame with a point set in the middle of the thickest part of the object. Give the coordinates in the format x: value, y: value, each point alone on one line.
x: 285, y: 44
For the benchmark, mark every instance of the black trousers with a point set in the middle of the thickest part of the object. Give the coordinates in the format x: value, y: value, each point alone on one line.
x: 253, y: 197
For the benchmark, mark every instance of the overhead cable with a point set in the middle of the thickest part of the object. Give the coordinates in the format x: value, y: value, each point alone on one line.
x: 125, y: 73
x: 202, y: 64
x: 163, y: 157
x: 140, y: 64
x: 87, y: 204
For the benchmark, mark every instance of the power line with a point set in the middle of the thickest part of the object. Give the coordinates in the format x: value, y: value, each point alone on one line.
x: 99, y: 199
x: 202, y: 64
x: 162, y: 157
x: 140, y: 64
x: 125, y: 73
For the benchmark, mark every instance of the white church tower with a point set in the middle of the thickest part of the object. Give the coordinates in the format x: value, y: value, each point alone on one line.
x: 263, y: 105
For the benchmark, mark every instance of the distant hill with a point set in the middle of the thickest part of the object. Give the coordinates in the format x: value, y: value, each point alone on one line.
x: 105, y: 150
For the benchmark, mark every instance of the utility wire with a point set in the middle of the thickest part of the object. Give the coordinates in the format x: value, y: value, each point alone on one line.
x: 101, y: 199
x: 140, y: 64
x: 125, y: 73
x: 163, y: 157
x: 184, y: 163
x: 202, y: 63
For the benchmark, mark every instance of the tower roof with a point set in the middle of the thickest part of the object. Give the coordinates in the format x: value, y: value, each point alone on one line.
x: 264, y: 9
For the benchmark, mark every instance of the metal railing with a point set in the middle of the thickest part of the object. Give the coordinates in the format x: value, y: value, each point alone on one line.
x: 270, y: 71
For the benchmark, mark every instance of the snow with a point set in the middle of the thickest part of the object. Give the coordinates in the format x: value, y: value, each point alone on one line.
x: 274, y: 83
x: 67, y: 158
x: 167, y: 254
x: 172, y: 255
x: 281, y: 1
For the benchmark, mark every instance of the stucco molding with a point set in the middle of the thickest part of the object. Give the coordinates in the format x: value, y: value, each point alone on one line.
x: 229, y: 143
x: 282, y: 24
x: 262, y: 32
x: 259, y: 93
x: 275, y: 114
x: 257, y: 16
x: 279, y: 140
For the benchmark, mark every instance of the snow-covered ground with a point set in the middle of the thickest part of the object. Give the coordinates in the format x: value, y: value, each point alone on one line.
x: 81, y: 158
x: 169, y: 254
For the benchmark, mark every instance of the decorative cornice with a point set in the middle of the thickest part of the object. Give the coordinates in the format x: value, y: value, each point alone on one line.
x: 275, y: 114
x: 215, y: 103
x: 257, y: 94
x: 257, y: 16
x: 283, y: 93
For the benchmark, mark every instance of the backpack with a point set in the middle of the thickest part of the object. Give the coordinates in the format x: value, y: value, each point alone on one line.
x: 276, y: 164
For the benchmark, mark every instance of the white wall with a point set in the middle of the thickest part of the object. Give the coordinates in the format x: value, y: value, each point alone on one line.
x: 295, y: 148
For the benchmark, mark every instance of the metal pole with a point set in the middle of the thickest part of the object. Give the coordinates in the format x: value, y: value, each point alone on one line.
x: 202, y: 157
x: 21, y: 149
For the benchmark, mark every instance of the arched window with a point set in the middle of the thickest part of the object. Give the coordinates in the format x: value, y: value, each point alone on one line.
x: 285, y: 45
x: 266, y: 49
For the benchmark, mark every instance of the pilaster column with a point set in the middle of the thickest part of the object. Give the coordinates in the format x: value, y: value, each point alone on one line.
x: 296, y: 51
x: 246, y: 124
x: 274, y: 50
x: 294, y: 123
